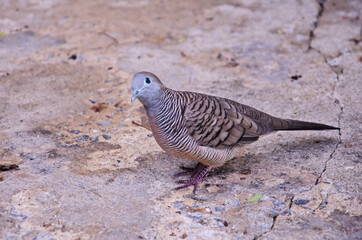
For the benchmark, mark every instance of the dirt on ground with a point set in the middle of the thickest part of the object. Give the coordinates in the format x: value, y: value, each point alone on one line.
x: 73, y: 165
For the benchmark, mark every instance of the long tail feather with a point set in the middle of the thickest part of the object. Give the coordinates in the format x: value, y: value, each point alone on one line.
x: 295, y: 125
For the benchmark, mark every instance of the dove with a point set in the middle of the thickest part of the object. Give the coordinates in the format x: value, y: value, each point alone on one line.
x: 203, y: 128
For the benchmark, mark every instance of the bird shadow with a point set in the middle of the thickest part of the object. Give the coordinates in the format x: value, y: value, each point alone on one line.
x: 161, y: 167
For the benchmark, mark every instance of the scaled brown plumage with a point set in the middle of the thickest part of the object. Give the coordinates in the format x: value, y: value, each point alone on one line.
x: 204, y: 128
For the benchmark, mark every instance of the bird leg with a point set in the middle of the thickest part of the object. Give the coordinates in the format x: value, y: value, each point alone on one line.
x: 198, y: 174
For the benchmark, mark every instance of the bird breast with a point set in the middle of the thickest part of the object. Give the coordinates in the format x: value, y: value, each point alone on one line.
x: 170, y: 131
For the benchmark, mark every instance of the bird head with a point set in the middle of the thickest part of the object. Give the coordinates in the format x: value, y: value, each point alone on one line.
x: 146, y: 87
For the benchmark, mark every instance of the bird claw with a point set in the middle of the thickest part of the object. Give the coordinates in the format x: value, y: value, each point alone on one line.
x: 198, y: 174
x: 183, y: 186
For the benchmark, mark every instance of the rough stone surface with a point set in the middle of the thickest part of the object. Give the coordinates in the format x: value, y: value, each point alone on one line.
x: 65, y: 71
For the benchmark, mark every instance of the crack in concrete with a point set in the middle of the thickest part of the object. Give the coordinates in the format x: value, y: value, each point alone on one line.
x: 315, y: 23
x: 271, y: 228
x: 291, y: 202
x: 275, y: 219
x: 341, y: 111
x: 336, y: 99
x: 323, y: 204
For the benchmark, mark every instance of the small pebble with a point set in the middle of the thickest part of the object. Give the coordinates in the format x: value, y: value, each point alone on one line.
x: 264, y: 198
x: 95, y: 139
x: 219, y: 209
x: 301, y: 201
x: 274, y: 213
x: 236, y: 203
x: 194, y: 197
x: 120, y: 125
x: 21, y: 216
x: 220, y: 224
x: 82, y: 138
x: 106, y: 136
x: 324, y: 204
x: 286, y: 213
x: 295, y: 77
x: 198, y: 218
x: 75, y: 131
x: 278, y: 205
x: 80, y: 59
x: 300, y: 37
x: 333, y: 62
x: 105, y: 123
x: 150, y: 135
x: 73, y: 57
x: 178, y: 204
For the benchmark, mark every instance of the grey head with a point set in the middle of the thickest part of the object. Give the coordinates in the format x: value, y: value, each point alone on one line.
x: 146, y: 87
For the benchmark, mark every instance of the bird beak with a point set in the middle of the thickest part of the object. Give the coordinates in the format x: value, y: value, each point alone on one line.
x: 135, y: 95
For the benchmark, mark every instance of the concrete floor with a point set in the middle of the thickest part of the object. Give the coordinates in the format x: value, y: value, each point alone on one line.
x: 74, y: 166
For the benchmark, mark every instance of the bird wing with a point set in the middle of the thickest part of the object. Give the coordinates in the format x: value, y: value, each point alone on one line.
x: 217, y: 122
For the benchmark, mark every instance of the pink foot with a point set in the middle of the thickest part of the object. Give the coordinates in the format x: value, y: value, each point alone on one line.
x: 198, y: 174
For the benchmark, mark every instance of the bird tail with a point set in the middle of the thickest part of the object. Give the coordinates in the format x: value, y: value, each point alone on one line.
x: 295, y: 125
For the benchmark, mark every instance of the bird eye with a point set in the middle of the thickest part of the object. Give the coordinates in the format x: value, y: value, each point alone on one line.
x: 147, y: 80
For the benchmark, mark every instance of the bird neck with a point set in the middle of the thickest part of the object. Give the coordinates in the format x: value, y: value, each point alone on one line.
x: 152, y: 103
